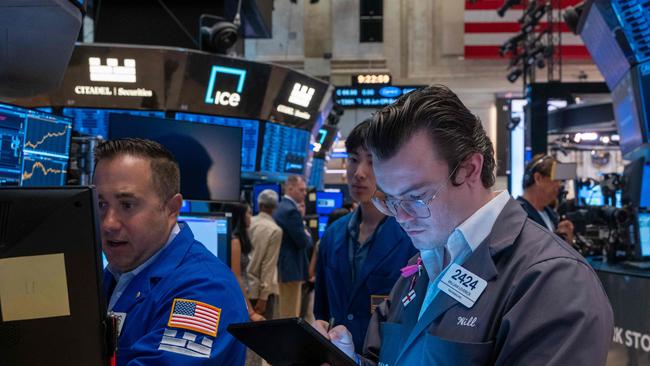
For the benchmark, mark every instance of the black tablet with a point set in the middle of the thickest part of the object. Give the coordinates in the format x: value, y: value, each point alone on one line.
x: 290, y: 341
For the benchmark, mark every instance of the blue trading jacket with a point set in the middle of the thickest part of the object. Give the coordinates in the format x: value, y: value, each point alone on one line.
x: 171, y: 309
x: 350, y: 303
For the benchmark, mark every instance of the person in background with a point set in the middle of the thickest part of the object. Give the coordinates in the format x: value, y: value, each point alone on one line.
x: 360, y: 254
x: 540, y: 193
x: 240, y: 248
x: 160, y: 282
x: 293, y: 260
x: 489, y: 286
x: 266, y: 237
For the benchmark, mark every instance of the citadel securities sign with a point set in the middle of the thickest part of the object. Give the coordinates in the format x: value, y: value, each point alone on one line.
x: 113, y: 72
x: 103, y: 76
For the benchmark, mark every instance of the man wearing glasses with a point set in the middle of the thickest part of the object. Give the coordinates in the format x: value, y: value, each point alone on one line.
x: 489, y: 286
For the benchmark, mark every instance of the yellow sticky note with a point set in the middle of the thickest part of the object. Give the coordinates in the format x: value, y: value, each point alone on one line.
x: 33, y: 287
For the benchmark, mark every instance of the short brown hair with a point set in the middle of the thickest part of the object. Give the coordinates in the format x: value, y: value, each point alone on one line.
x: 540, y: 163
x: 165, y: 173
x: 454, y: 130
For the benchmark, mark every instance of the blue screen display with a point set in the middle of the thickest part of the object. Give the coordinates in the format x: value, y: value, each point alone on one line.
x: 645, y: 187
x: 644, y: 233
x: 326, y: 202
x: 322, y: 225
x: 317, y: 173
x: 94, y: 122
x: 250, y: 132
x: 34, y: 147
x: 593, y: 196
x: 284, y: 150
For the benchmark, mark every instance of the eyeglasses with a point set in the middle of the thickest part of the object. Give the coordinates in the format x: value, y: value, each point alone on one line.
x: 417, y: 208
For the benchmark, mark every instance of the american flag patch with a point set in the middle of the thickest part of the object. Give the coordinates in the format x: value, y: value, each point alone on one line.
x: 195, y: 315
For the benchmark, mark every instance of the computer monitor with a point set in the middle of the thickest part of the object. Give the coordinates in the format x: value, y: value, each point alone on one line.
x: 322, y: 225
x: 259, y: 187
x: 644, y: 200
x: 326, y: 202
x: 643, y: 223
x: 284, y: 151
x: 209, y: 156
x: 94, y: 121
x: 633, y: 176
x: 593, y: 196
x: 250, y: 134
x: 34, y: 147
x: 51, y: 296
x: 212, y: 231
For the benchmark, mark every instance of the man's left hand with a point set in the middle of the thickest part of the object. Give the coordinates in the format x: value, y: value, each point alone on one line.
x: 565, y: 229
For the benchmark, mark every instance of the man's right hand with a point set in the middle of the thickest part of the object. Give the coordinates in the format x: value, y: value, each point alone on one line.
x: 339, y: 335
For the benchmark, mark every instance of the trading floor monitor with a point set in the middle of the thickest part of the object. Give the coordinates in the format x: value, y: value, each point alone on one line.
x: 52, y: 308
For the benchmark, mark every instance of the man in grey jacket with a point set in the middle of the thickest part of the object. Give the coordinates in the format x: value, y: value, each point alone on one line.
x: 266, y: 237
x: 489, y: 286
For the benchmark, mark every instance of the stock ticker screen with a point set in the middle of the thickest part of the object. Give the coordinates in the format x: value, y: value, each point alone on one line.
x: 250, y: 132
x: 94, y: 122
x: 34, y: 147
x: 284, y: 150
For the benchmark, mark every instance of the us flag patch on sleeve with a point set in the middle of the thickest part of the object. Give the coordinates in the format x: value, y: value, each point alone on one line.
x: 194, y: 315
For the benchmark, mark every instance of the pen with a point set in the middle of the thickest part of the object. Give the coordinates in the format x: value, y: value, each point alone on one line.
x: 330, y: 325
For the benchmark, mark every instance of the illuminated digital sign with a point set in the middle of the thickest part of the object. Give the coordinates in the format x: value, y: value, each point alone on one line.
x: 371, y: 96
x: 374, y: 79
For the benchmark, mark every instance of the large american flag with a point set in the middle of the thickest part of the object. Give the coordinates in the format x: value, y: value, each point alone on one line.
x: 194, y: 315
x: 485, y: 31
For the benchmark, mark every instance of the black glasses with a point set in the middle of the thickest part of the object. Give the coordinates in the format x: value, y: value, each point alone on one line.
x: 417, y: 208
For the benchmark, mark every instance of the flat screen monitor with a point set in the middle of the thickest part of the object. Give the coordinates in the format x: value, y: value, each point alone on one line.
x: 209, y: 156
x: 630, y: 128
x: 250, y: 134
x: 94, y: 121
x: 644, y: 200
x: 50, y: 258
x: 34, y: 147
x: 643, y: 220
x: 633, y: 180
x: 326, y: 202
x: 284, y: 151
x: 316, y: 174
x: 593, y: 196
x: 322, y: 225
x: 258, y: 188
x: 212, y: 231
x: 599, y: 35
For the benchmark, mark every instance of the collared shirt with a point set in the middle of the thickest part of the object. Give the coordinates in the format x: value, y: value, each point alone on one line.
x: 547, y: 220
x: 358, y: 252
x: 123, y: 279
x: 462, y: 242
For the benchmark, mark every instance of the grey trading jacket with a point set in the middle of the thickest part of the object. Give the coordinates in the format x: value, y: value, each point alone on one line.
x: 543, y: 305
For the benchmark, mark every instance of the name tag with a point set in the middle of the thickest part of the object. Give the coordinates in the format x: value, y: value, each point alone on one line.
x: 462, y: 285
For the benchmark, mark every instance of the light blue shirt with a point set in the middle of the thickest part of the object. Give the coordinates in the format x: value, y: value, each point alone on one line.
x: 123, y: 279
x: 462, y: 242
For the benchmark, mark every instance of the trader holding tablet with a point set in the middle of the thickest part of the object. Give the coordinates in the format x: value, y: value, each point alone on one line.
x: 489, y: 286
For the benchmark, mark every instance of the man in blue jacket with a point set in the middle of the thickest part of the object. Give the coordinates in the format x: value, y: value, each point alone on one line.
x: 293, y: 261
x: 173, y: 298
x: 361, y: 254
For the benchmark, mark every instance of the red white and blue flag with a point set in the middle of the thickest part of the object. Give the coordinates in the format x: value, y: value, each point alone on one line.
x: 194, y: 315
x: 486, y: 31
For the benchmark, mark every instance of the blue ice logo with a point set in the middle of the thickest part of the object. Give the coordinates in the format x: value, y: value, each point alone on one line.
x: 225, y: 98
